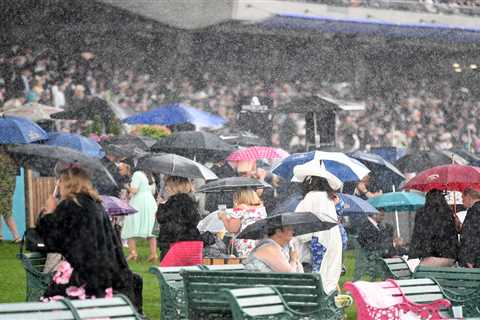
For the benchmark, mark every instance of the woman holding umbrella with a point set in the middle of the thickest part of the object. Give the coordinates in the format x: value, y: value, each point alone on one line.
x: 434, y: 239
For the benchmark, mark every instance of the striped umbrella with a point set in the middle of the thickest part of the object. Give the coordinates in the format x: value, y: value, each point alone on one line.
x: 255, y: 153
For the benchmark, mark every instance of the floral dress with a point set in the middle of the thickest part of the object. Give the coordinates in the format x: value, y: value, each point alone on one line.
x: 247, y: 216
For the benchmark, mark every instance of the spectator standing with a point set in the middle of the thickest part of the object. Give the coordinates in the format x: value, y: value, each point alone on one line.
x: 140, y: 224
x: 469, y: 252
x: 8, y: 174
x: 434, y: 238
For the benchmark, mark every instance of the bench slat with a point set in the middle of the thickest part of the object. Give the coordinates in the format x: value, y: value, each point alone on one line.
x: 258, y: 301
x: 105, y: 312
x: 47, y: 315
x: 259, y: 311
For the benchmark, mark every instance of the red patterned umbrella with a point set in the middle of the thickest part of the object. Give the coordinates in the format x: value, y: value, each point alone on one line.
x: 452, y: 177
x: 255, y: 153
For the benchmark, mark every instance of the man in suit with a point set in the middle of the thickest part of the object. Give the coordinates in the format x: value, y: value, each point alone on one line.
x: 374, y: 242
x: 469, y: 253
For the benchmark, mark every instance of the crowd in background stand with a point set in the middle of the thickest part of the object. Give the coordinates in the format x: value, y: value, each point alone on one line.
x: 432, y: 114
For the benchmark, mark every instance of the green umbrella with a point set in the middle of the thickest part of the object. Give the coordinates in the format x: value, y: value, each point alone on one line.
x: 398, y: 201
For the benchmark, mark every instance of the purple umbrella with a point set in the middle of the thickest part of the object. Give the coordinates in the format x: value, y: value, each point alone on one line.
x: 116, y: 207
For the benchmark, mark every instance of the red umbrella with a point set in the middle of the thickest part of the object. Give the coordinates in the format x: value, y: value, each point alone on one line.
x: 256, y: 153
x: 452, y: 177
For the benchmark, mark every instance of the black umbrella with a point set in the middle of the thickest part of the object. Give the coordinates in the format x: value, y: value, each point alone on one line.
x: 302, y: 223
x: 123, y: 151
x: 43, y: 158
x: 233, y: 184
x: 195, y: 144
x: 472, y: 158
x: 144, y: 143
x: 240, y: 138
x: 89, y: 110
x: 423, y: 160
x: 175, y: 165
x: 386, y: 174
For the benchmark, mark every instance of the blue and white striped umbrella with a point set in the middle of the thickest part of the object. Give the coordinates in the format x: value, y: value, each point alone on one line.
x: 342, y: 166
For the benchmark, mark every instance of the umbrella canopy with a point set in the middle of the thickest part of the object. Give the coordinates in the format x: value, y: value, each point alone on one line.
x: 116, y: 207
x: 233, y: 184
x: 176, y: 113
x: 353, y: 205
x: 196, y: 144
x: 91, y: 109
x: 141, y: 142
x: 386, y: 174
x: 339, y: 164
x: 76, y: 142
x: 398, y: 201
x: 255, y: 153
x: 472, y: 158
x: 302, y: 223
x: 43, y: 158
x: 32, y: 111
x: 211, y: 223
x: 423, y: 160
x: 16, y: 130
x: 245, y: 139
x: 124, y: 150
x: 175, y: 165
x: 452, y: 177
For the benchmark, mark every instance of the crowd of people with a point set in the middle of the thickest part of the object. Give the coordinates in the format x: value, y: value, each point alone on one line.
x: 416, y: 116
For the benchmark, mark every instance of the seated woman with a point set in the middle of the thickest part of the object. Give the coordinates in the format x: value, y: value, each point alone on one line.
x: 248, y: 208
x: 78, y: 228
x: 274, y: 253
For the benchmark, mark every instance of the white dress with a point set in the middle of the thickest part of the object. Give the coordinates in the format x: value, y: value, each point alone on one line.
x: 319, y: 204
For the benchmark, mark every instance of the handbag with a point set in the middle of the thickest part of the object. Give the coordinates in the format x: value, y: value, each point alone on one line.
x: 33, y: 241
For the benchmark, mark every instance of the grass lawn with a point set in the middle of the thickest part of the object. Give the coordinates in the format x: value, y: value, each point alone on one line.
x: 12, y: 275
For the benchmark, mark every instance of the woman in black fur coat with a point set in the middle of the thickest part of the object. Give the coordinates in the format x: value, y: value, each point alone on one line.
x: 179, y: 216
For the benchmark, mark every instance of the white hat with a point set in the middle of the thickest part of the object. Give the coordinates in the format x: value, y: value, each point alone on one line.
x: 315, y: 168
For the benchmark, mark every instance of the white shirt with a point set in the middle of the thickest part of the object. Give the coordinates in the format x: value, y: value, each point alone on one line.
x: 58, y: 97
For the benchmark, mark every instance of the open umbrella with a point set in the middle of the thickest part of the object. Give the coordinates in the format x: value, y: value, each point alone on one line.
x: 175, y: 165
x: 233, y: 184
x: 43, y: 158
x: 302, y: 223
x: 398, y: 201
x: 76, y: 142
x: 124, y: 150
x: 194, y: 144
x: 386, y: 174
x: 242, y: 138
x: 32, y: 111
x: 91, y: 108
x: 116, y: 207
x: 337, y: 163
x: 255, y: 153
x: 452, y: 177
x: 176, y: 113
x: 16, y: 130
x: 423, y: 160
x: 144, y: 143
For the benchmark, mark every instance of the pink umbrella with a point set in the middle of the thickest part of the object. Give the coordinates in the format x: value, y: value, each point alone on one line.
x: 255, y: 153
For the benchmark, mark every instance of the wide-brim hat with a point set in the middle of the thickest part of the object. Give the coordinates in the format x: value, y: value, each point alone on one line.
x: 316, y: 168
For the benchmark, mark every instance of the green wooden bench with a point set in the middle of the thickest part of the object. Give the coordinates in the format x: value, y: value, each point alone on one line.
x: 118, y: 308
x: 303, y: 292
x: 460, y: 285
x: 172, y: 301
x: 262, y: 303
x: 396, y: 268
x: 37, y: 281
x: 224, y: 267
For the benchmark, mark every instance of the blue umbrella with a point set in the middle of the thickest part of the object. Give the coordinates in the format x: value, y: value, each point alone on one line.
x: 343, y: 167
x: 176, y: 113
x: 16, y: 130
x: 386, y: 174
x: 398, y: 201
x: 353, y: 205
x: 76, y: 142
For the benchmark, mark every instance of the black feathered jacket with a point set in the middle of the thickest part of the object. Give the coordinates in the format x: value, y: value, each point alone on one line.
x: 83, y: 234
x: 178, y: 219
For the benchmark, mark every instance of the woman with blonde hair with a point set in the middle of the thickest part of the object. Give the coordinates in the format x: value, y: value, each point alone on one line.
x: 248, y: 208
x: 78, y: 228
x: 178, y: 215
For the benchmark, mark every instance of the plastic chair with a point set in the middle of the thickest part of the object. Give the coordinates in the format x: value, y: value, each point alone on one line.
x: 183, y: 253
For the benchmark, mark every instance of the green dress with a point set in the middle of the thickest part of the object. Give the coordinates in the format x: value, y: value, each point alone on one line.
x: 140, y: 224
